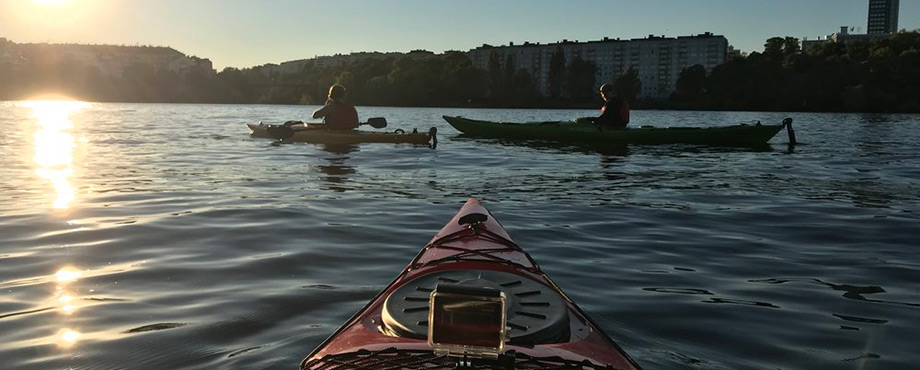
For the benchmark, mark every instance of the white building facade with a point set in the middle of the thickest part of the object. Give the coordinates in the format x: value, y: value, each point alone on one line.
x: 658, y: 60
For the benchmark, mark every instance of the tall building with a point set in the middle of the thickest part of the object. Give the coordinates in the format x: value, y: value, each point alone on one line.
x: 658, y: 60
x: 883, y: 16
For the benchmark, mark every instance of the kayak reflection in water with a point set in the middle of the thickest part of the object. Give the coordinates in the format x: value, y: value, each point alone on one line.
x: 614, y: 113
x: 338, y: 113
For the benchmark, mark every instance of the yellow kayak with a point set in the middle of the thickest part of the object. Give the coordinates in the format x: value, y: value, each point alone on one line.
x: 318, y: 134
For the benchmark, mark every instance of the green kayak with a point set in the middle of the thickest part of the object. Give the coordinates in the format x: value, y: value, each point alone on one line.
x: 589, y: 133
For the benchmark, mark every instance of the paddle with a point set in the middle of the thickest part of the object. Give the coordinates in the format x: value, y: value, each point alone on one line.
x: 376, y: 122
x: 285, y: 131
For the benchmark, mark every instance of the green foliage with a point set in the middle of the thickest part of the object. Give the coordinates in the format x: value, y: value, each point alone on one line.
x: 556, y: 72
x: 791, y: 46
x: 495, y: 74
x: 778, y: 48
x: 857, y: 76
x: 690, y: 83
x: 773, y: 48
x: 628, y: 85
x: 580, y: 78
x: 509, y: 69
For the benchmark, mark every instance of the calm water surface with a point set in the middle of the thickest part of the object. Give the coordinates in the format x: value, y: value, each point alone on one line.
x: 164, y: 237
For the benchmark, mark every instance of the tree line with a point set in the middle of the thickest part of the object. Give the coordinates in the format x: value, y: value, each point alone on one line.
x: 881, y: 75
x: 874, y: 76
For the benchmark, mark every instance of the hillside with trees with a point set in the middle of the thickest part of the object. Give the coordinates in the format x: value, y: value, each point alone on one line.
x: 872, y: 76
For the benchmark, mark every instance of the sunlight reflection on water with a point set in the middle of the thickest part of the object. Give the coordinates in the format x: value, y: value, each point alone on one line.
x: 67, y: 275
x: 66, y: 337
x: 54, y: 146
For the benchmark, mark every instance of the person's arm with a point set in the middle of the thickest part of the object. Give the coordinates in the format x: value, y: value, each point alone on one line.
x: 606, y: 117
x: 323, y: 112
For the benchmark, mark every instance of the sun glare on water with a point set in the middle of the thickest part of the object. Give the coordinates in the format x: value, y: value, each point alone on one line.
x: 54, y: 145
x: 67, y: 337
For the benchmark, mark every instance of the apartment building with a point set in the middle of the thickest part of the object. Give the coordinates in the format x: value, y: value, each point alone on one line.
x: 658, y: 60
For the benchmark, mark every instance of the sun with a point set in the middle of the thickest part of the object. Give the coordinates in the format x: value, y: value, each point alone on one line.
x: 50, y: 2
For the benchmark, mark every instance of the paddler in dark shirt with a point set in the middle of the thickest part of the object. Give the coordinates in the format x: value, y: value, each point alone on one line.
x: 614, y: 113
x: 338, y: 114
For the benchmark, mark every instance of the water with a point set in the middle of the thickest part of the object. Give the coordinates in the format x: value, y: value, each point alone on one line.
x: 162, y: 236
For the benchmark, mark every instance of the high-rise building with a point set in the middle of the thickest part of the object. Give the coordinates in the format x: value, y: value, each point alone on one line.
x: 883, y: 16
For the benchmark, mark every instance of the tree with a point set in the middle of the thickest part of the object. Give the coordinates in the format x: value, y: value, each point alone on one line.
x: 628, y: 85
x: 791, y: 46
x: 509, y: 69
x: 461, y: 81
x: 523, y: 91
x: 691, y: 82
x: 556, y: 72
x: 908, y: 77
x: 581, y: 78
x: 773, y: 48
x: 495, y: 74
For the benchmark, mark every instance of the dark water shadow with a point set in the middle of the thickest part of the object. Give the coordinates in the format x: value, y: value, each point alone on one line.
x: 621, y: 150
x: 855, y: 292
x: 156, y: 327
x: 695, y: 291
x: 337, y: 172
x: 860, y: 319
x: 612, y: 150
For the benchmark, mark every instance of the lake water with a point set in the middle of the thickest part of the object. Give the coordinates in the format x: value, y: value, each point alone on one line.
x: 138, y: 236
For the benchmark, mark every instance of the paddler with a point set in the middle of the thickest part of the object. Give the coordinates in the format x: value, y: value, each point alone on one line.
x: 614, y: 113
x: 338, y: 113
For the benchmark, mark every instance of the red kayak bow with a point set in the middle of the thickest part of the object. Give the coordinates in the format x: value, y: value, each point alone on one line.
x: 457, y: 282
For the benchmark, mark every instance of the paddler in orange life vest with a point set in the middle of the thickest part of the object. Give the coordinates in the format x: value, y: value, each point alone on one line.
x: 338, y: 114
x: 614, y: 113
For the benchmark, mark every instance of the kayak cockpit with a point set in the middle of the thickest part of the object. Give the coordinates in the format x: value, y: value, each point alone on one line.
x: 536, y: 314
x: 405, y: 359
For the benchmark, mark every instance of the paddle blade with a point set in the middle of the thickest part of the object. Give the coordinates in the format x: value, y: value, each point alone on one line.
x: 377, y: 122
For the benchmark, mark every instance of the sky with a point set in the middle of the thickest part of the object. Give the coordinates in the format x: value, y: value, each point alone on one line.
x: 246, y: 33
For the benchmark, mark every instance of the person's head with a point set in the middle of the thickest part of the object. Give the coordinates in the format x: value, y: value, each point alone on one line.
x: 607, y: 91
x: 337, y: 93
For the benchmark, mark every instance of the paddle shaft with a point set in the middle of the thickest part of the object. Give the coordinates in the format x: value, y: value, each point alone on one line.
x: 282, y: 132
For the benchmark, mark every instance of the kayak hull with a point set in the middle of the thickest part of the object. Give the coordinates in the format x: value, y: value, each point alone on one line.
x: 318, y: 134
x: 588, y: 133
x: 484, y: 250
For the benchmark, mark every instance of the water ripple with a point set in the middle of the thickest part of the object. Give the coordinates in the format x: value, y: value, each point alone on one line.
x: 187, y: 244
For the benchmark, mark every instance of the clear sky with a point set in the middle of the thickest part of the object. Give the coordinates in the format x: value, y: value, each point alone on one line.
x: 245, y: 33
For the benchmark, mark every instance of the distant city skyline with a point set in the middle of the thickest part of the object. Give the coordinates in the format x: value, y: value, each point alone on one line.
x: 242, y: 33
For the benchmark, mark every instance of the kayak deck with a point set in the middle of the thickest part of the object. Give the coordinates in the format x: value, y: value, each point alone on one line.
x: 578, y: 132
x: 318, y: 134
x: 547, y: 329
